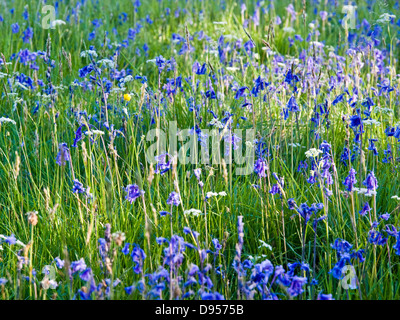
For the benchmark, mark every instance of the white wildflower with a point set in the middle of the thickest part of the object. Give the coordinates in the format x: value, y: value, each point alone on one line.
x: 193, y: 212
x: 6, y: 120
x: 371, y: 122
x: 56, y: 23
x: 386, y: 18
x: 86, y: 53
x: 288, y: 29
x: 265, y: 245
x: 365, y: 192
x: 107, y: 63
x: 312, y: 153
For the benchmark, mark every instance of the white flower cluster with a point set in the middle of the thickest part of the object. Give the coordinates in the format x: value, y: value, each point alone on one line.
x: 312, y: 153
x: 87, y: 53
x: 6, y: 120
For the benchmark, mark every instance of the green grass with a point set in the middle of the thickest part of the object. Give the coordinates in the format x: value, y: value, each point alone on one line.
x: 69, y: 226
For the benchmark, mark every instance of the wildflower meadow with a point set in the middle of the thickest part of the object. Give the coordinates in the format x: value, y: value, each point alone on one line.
x: 199, y: 150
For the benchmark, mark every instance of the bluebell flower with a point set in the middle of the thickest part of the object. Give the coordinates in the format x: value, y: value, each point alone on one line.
x: 133, y: 192
x: 15, y: 28
x: 59, y: 263
x: 397, y: 244
x: 372, y: 146
x: 86, y: 275
x: 376, y: 238
x: 78, y: 187
x: 78, y: 136
x: 241, y: 92
x: 138, y: 256
x: 391, y: 230
x: 292, y: 105
x: 11, y: 240
x: 212, y: 296
x: 129, y: 290
x: 125, y: 250
x: 63, y: 154
x: 338, y: 99
x: 366, y: 208
x: 296, y: 286
x: 260, y: 167
x: 371, y: 182
x: 322, y: 296
x: 292, y: 204
x: 173, y: 199
x: 385, y: 216
x: 77, y: 266
x: 28, y: 34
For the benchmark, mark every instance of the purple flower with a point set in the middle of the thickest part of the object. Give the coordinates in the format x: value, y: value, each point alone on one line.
x: 212, y: 296
x: 292, y: 105
x: 297, y: 285
x: 86, y: 275
x: 259, y: 167
x: 63, y: 154
x: 197, y: 173
x: 78, y: 136
x: 397, y: 244
x: 15, y: 28
x: 133, y: 192
x: 322, y: 296
x: 28, y: 34
x: 79, y: 265
x: 10, y: 240
x: 173, y: 199
x: 323, y: 15
x: 366, y: 208
x: 125, y: 249
x: 78, y: 187
x: 350, y: 180
x: 60, y: 263
x: 371, y: 182
x: 138, y: 257
x: 385, y: 216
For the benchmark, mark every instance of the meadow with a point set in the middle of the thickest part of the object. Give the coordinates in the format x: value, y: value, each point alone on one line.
x: 99, y: 200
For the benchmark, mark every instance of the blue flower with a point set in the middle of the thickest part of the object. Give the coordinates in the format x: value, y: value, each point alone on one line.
x: 59, y: 263
x: 322, y: 296
x: 86, y: 275
x: 371, y: 182
x: 63, y: 154
x: 15, y: 28
x: 296, y: 286
x: 350, y: 180
x: 11, y: 240
x: 28, y: 34
x: 173, y: 199
x: 79, y: 265
x: 366, y: 208
x: 78, y: 187
x: 78, y: 136
x: 138, y: 257
x: 133, y: 192
x: 125, y: 249
x: 260, y: 167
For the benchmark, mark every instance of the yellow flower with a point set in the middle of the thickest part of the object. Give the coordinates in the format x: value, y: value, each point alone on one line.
x: 127, y: 97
